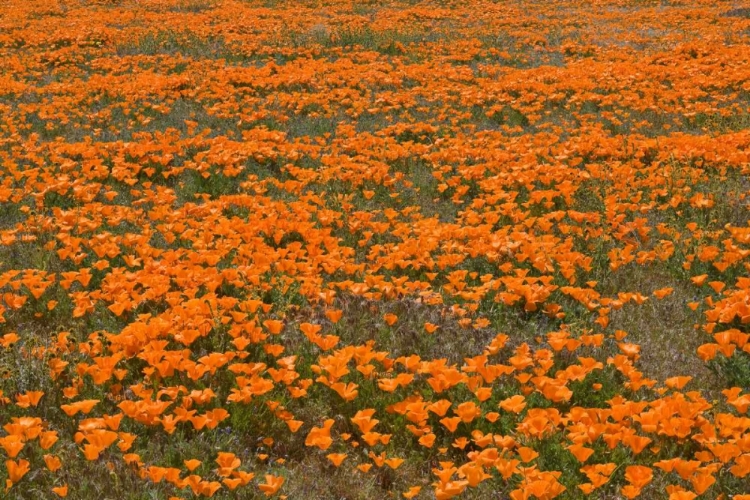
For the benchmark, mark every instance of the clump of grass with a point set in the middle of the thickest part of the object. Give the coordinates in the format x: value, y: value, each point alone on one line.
x: 742, y: 12
x: 388, y: 42
x: 166, y: 42
x: 193, y: 6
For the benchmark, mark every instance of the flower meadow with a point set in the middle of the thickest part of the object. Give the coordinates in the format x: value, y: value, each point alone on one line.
x: 335, y: 249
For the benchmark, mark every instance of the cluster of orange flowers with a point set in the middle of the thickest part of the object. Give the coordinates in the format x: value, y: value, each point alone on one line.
x: 193, y: 190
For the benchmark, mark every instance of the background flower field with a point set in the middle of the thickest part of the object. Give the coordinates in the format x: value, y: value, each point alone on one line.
x: 381, y: 249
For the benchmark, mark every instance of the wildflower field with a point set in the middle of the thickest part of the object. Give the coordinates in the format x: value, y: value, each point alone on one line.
x: 339, y: 249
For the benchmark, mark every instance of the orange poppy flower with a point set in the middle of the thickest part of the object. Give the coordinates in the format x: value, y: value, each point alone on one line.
x: 320, y: 436
x: 16, y: 469
x: 61, y: 491
x: 52, y: 462
x: 272, y: 485
x: 336, y: 458
x: 430, y: 327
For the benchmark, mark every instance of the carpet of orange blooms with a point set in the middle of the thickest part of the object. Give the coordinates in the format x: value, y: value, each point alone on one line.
x: 161, y: 197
